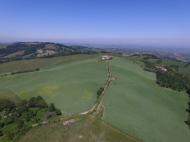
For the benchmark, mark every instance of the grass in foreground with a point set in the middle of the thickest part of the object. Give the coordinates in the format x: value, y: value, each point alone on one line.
x: 136, y: 105
x: 86, y: 129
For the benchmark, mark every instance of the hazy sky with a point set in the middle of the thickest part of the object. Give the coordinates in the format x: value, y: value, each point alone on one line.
x: 148, y: 22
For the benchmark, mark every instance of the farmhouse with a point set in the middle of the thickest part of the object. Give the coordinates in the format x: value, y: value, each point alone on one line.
x: 40, y: 51
x: 105, y: 57
x: 162, y: 68
x: 50, y: 52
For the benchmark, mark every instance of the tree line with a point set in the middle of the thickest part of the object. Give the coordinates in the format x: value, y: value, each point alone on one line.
x: 175, y: 81
x: 25, y: 71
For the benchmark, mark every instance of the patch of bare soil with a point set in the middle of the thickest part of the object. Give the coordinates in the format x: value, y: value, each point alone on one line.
x: 80, y: 137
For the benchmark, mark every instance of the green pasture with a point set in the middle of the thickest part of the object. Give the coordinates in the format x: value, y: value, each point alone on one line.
x: 139, y: 107
x: 3, y: 45
x: 85, y: 129
x: 135, y: 59
x: 41, y: 62
x: 7, y: 94
x: 71, y: 86
x: 49, y: 46
x: 19, y: 53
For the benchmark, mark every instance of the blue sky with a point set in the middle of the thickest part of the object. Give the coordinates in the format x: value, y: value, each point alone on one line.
x: 143, y: 22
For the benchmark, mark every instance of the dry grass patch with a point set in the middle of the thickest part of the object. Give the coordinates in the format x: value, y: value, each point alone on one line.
x: 86, y: 129
x: 19, y: 53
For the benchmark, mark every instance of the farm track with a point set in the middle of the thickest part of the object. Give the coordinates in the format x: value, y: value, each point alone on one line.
x: 94, y: 108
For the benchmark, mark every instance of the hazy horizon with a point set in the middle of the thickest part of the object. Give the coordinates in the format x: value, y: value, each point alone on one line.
x: 146, y: 23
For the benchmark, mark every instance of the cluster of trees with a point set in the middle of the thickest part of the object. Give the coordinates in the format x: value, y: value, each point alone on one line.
x: 25, y: 71
x: 23, y: 115
x: 150, y: 66
x: 175, y: 81
x: 99, y: 92
x: 171, y: 79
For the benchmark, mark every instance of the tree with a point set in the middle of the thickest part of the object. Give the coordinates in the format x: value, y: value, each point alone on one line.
x: 31, y: 114
x: 22, y: 106
x: 51, y: 107
x: 6, y: 105
x: 10, y: 135
x: 20, y: 123
x: 8, y: 120
x: 188, y: 121
x: 27, y: 118
x: 1, y: 133
x: 1, y: 125
x: 32, y: 102
x: 99, y: 92
x: 49, y: 116
x: 58, y: 112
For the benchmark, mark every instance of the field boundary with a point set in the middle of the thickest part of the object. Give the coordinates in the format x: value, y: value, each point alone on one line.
x: 94, y: 108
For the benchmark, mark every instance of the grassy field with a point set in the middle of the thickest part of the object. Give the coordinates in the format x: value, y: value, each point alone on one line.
x: 72, y: 86
x: 3, y: 45
x: 41, y: 62
x: 136, y: 105
x: 49, y: 46
x: 86, y: 129
x: 6, y: 94
x: 14, y: 54
x: 135, y: 59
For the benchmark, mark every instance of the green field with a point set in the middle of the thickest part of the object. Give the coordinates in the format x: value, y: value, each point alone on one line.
x: 72, y: 86
x: 41, y: 62
x: 86, y: 129
x: 3, y: 45
x: 136, y: 105
x: 49, y: 46
x: 6, y: 94
x: 19, y: 53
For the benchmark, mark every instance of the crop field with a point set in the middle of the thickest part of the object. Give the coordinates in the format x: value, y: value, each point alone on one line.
x: 3, y: 45
x: 49, y: 46
x: 14, y: 54
x: 71, y: 86
x: 6, y: 94
x: 41, y: 62
x: 139, y: 107
x: 86, y: 129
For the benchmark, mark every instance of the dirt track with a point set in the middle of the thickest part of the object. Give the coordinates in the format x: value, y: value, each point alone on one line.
x: 101, y: 96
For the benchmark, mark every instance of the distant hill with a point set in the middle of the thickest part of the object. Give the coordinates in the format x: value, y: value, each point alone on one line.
x: 40, y: 49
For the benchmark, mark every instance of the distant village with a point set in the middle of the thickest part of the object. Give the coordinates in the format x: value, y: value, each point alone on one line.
x: 41, y: 53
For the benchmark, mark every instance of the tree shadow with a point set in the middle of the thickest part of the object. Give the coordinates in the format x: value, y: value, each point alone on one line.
x: 187, y: 110
x: 186, y: 122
